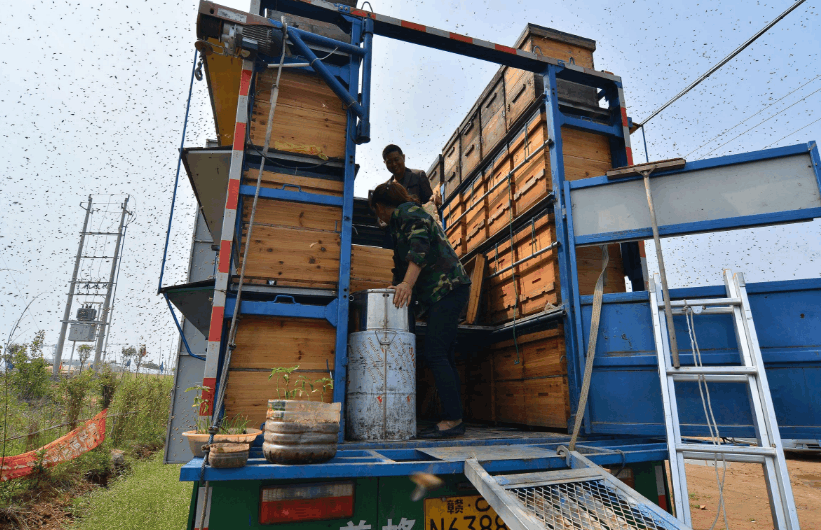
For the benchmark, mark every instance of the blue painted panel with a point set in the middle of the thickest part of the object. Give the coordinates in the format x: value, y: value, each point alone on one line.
x: 292, y: 195
x: 590, y: 125
x: 625, y: 391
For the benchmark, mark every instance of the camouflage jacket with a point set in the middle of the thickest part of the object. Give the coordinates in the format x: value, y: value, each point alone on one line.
x: 418, y: 238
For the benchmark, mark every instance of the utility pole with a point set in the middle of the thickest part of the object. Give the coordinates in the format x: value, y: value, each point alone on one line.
x: 101, y: 336
x: 58, y: 354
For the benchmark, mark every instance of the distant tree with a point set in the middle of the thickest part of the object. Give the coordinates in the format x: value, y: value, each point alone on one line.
x: 140, y: 357
x: 128, y: 353
x: 151, y: 365
x: 84, y: 352
x: 28, y: 370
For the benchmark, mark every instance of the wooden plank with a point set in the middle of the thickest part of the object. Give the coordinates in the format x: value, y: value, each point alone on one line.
x: 505, y: 365
x: 559, y: 50
x: 309, y: 117
x: 546, y: 402
x: 272, y: 179
x: 521, y: 89
x: 293, y: 255
x: 293, y: 215
x: 544, y: 357
x: 471, y: 144
x: 267, y: 342
x: 477, y: 279
x: 589, y: 265
x: 452, y: 166
x: 247, y: 393
x: 538, y: 277
x: 476, y: 219
x: 510, y: 401
x: 583, y: 144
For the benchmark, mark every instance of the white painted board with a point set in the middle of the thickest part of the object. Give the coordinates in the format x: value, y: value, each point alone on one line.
x: 750, y: 188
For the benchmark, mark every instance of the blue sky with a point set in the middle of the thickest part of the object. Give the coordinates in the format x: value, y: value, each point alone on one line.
x: 93, y: 97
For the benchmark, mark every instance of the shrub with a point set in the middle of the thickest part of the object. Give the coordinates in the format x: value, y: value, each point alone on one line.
x: 74, y: 394
x: 108, y: 386
x: 140, y: 412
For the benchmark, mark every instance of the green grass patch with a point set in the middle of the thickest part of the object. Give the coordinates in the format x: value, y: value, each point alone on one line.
x: 149, y: 497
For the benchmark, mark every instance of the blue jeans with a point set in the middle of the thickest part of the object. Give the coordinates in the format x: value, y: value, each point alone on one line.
x: 440, y: 349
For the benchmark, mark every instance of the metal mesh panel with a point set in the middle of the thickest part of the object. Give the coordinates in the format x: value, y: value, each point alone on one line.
x: 585, y: 505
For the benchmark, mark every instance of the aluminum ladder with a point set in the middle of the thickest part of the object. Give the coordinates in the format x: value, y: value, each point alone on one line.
x: 584, y: 497
x: 769, y: 451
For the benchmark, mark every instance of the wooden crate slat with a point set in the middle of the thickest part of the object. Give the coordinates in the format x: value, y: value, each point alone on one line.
x: 306, y: 100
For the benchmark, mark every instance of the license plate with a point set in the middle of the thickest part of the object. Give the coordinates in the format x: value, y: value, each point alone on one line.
x: 471, y: 512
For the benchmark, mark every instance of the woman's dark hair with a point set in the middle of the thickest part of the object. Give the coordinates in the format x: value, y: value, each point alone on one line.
x: 391, y: 194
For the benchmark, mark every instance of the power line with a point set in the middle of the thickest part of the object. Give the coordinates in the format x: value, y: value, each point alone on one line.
x: 751, y: 117
x: 724, y: 61
x: 763, y: 121
x: 797, y: 130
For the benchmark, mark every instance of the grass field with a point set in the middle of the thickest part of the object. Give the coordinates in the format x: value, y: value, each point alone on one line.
x: 150, y: 497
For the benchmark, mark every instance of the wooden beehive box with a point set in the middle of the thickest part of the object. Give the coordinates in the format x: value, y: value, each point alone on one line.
x: 451, y: 165
x: 471, y: 142
x: 264, y: 343
x: 475, y: 203
x: 528, y: 386
x: 435, y: 173
x: 309, y: 117
x: 499, y: 193
x: 492, y: 111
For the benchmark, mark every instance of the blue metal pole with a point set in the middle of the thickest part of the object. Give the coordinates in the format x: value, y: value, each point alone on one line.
x: 568, y: 282
x: 343, y: 291
x: 177, y: 178
x: 334, y: 84
x: 179, y: 328
x: 646, y: 156
x: 350, y: 49
x: 364, y: 132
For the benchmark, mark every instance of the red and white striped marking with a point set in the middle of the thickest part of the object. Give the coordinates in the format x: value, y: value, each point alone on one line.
x: 628, y: 151
x: 229, y: 218
x: 662, y: 502
x: 457, y: 37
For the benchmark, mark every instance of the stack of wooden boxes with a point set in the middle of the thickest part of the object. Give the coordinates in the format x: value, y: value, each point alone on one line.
x: 488, y: 184
x: 292, y: 244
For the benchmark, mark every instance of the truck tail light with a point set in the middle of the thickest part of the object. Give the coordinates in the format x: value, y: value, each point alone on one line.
x: 306, y: 502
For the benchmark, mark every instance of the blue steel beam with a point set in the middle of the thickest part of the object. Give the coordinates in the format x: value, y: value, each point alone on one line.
x: 568, y: 283
x: 399, y: 462
x: 343, y: 289
x: 283, y: 194
x: 363, y: 133
x: 590, y: 125
x: 276, y: 308
x: 333, y: 83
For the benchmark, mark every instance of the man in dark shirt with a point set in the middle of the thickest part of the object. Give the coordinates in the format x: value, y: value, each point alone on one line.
x: 413, y: 180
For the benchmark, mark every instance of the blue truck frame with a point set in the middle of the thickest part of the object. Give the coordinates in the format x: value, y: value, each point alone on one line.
x: 624, y: 430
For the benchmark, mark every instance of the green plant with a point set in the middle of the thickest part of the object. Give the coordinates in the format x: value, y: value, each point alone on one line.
x: 107, y: 382
x: 74, y: 392
x: 29, y: 375
x: 235, y: 425
x: 201, y: 423
x: 301, y: 384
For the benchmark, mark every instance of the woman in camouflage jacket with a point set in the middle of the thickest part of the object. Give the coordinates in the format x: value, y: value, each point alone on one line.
x: 428, y: 269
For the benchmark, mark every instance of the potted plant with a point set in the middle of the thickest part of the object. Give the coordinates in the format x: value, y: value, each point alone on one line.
x: 300, y: 431
x: 234, y: 430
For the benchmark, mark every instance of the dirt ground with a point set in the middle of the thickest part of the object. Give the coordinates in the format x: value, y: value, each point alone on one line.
x: 745, y: 494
